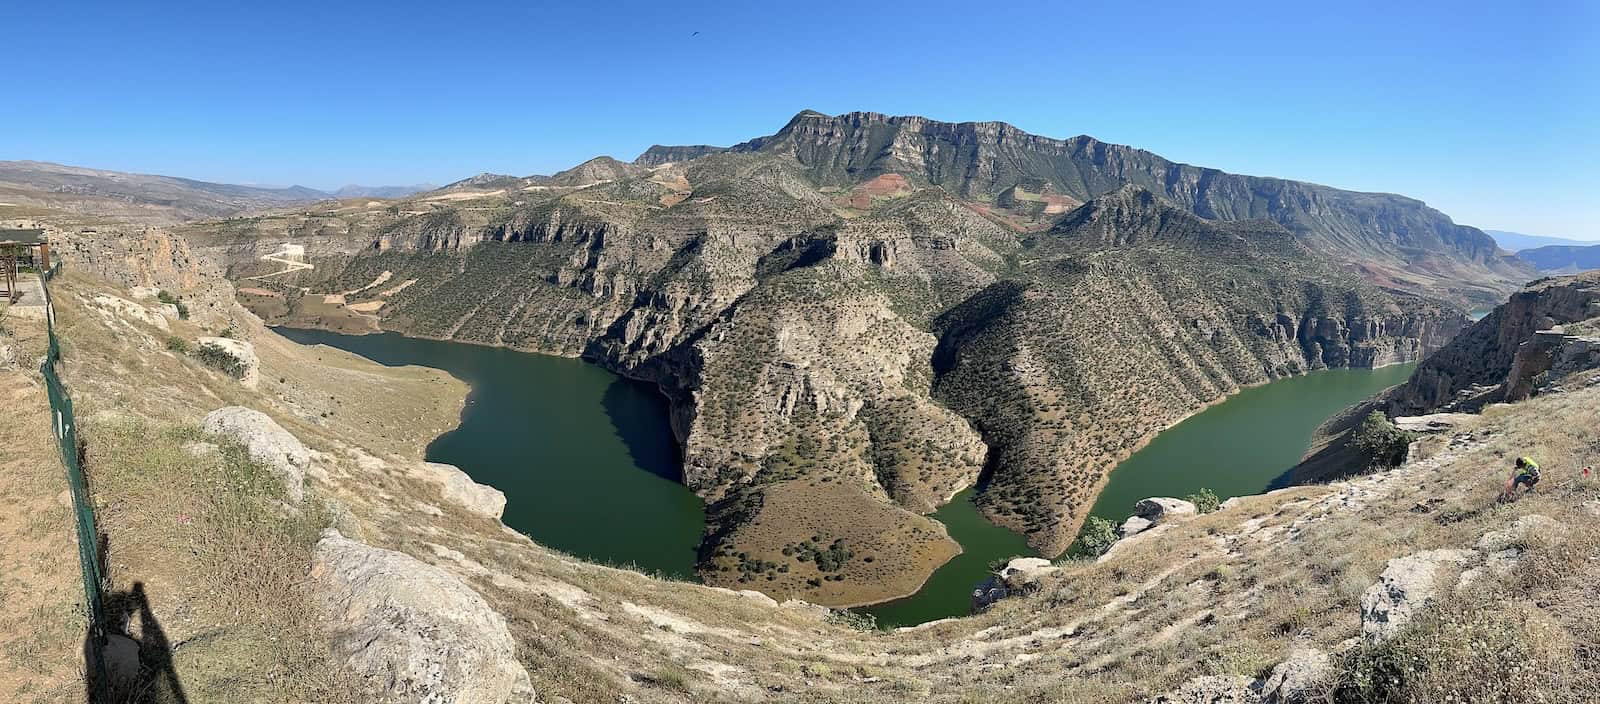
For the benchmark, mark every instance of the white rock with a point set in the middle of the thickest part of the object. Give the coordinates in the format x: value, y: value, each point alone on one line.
x: 240, y: 350
x: 125, y: 308
x: 143, y: 292
x: 415, y: 632
x: 1432, y: 423
x: 1133, y: 526
x: 1520, y: 531
x: 267, y: 442
x: 456, y: 486
x: 1302, y: 678
x: 1160, y: 508
x: 1025, y: 571
x: 1407, y: 585
x: 1213, y: 689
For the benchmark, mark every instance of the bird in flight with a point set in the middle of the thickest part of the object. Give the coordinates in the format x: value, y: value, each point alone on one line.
x: 696, y: 34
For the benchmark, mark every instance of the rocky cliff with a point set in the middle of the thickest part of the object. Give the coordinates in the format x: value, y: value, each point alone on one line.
x: 1497, y: 357
x: 854, y: 367
x: 1397, y: 238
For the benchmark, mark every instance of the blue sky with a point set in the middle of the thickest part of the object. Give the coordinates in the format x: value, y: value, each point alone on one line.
x: 1488, y: 111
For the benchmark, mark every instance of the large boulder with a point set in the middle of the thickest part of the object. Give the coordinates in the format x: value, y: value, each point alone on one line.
x: 456, y: 486
x: 245, y: 366
x: 267, y: 443
x: 1024, y: 572
x: 1431, y: 423
x: 1304, y: 677
x: 1134, y: 526
x: 415, y: 632
x: 1019, y: 576
x: 1159, y: 508
x: 1407, y: 585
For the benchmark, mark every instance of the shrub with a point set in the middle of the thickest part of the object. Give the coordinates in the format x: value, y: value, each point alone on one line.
x: 177, y: 344
x: 217, y: 358
x: 1382, y: 440
x: 1205, y: 500
x: 853, y: 619
x: 1096, y: 538
x: 166, y: 297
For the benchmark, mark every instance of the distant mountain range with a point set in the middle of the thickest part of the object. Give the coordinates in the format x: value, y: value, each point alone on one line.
x: 1516, y: 241
x: 37, y: 189
x: 1562, y: 259
x: 354, y: 191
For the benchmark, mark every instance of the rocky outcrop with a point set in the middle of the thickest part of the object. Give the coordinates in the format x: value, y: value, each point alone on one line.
x: 455, y: 485
x: 1134, y: 525
x: 1304, y: 677
x: 1158, y: 509
x: 245, y: 366
x: 150, y: 258
x: 1020, y: 576
x: 1431, y: 423
x: 267, y: 442
x: 412, y: 631
x: 129, y: 310
x: 1406, y: 586
x: 1481, y: 365
x: 1213, y: 689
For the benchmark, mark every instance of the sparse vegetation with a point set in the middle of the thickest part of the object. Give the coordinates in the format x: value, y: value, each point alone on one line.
x: 220, y: 359
x: 1382, y: 440
x: 1205, y: 501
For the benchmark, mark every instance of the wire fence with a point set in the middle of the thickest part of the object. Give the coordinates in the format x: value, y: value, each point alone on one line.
x: 66, y: 432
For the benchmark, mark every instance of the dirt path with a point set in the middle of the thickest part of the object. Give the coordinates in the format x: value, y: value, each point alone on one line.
x: 42, y: 625
x: 282, y: 256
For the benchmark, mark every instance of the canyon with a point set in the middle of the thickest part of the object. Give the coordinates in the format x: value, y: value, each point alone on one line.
x: 860, y: 316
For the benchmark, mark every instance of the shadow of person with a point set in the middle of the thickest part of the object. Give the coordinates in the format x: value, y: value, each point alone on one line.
x: 127, y: 665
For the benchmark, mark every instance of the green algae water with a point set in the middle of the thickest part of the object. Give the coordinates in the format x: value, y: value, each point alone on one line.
x: 586, y: 458
x: 589, y: 466
x: 948, y: 592
x: 1242, y: 445
x: 1237, y: 447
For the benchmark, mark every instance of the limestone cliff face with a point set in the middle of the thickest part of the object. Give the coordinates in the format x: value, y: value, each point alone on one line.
x: 150, y: 258
x: 1500, y: 353
x: 984, y: 159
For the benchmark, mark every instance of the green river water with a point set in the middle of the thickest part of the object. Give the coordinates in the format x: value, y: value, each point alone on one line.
x: 589, y: 466
x: 586, y: 459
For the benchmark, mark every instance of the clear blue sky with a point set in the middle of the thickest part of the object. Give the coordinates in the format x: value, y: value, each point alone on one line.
x: 1488, y: 111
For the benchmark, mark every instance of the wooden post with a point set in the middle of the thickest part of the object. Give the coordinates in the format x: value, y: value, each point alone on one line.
x: 44, y: 257
x: 9, y: 259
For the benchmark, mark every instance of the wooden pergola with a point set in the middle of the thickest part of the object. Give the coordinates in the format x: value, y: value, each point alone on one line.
x: 15, y: 246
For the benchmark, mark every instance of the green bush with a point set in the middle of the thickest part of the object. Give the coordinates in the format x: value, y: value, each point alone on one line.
x: 1205, y: 500
x: 1382, y: 440
x: 1096, y: 538
x: 217, y: 358
x: 166, y: 297
x: 177, y: 344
